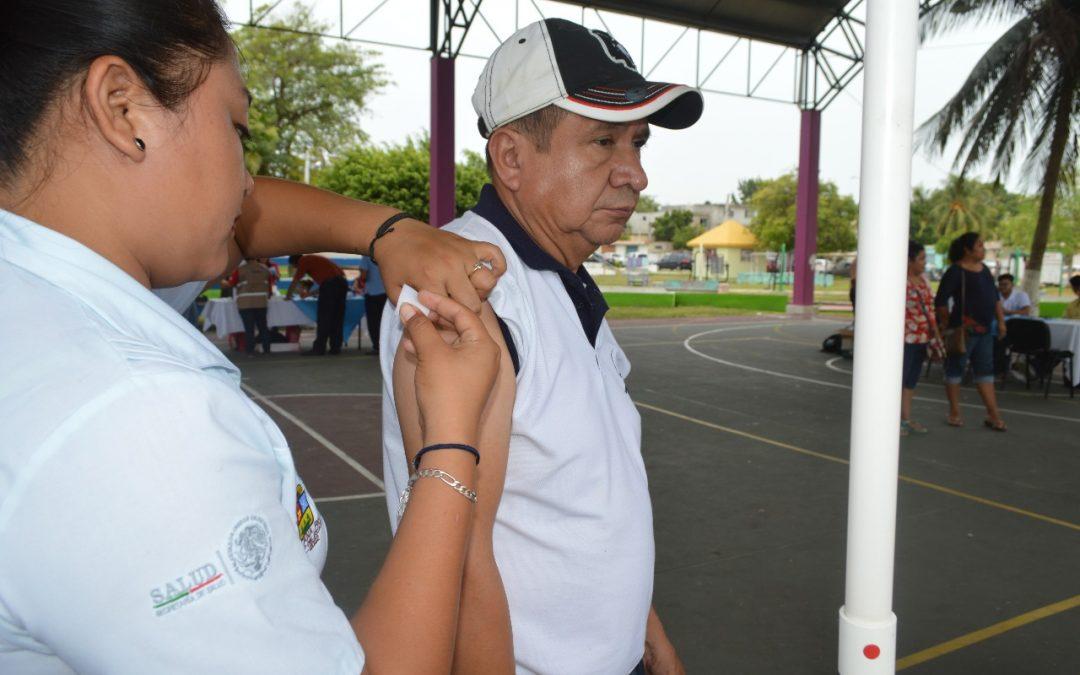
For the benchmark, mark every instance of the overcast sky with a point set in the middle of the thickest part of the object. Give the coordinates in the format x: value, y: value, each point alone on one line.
x: 736, y: 137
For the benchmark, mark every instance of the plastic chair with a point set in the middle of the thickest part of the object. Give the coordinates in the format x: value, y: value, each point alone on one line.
x: 1030, y: 339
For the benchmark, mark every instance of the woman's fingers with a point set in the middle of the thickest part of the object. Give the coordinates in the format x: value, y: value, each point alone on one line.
x: 484, y: 280
x: 460, y: 288
x: 464, y: 321
x: 420, y: 331
x: 491, y: 253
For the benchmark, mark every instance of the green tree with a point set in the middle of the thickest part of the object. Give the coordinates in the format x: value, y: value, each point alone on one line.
x: 960, y: 205
x: 398, y: 176
x: 1026, y: 86
x: 774, y: 217
x: 647, y: 204
x: 307, y: 94
x: 748, y: 187
x: 920, y: 225
x: 665, y: 226
x: 1064, y: 226
x: 684, y: 233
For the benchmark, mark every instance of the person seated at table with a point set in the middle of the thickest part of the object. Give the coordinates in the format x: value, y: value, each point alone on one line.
x: 330, y: 316
x: 252, y: 295
x: 1072, y: 311
x: 1014, y: 301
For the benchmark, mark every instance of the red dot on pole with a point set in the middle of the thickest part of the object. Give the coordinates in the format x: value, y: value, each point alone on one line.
x: 871, y: 651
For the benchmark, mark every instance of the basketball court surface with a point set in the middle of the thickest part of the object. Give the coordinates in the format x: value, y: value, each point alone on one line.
x: 746, y: 426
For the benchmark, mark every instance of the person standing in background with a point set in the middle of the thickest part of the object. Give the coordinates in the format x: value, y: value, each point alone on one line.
x: 968, y: 288
x: 330, y: 318
x: 1014, y: 301
x: 370, y: 283
x: 252, y: 295
x: 920, y: 331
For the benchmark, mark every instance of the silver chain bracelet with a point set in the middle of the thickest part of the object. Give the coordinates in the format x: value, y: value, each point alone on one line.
x: 452, y: 482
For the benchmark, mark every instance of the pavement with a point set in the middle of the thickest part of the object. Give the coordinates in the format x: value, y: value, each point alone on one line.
x: 746, y: 427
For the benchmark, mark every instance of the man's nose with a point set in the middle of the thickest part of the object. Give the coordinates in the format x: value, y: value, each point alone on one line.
x: 629, y: 172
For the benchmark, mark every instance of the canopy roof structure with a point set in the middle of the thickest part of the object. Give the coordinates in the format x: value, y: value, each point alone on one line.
x: 792, y: 23
x: 728, y: 234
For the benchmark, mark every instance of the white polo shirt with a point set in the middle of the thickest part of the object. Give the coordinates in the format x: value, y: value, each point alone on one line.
x: 152, y: 518
x: 1016, y: 301
x: 573, y: 533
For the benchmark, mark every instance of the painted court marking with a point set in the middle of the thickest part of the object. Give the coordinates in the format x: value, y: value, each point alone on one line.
x: 825, y: 383
x: 325, y: 442
x: 349, y: 498
x: 956, y: 643
x: 987, y: 633
x: 820, y: 455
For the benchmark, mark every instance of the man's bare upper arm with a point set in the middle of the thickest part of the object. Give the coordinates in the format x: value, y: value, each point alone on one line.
x: 494, y: 436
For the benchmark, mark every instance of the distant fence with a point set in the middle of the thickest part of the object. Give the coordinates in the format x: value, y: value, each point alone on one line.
x: 821, y: 280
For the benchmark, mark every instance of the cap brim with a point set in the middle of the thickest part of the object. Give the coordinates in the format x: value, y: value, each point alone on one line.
x: 672, y: 106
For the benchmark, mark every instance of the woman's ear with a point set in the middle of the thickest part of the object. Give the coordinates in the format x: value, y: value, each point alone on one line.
x: 507, y: 148
x: 120, y: 106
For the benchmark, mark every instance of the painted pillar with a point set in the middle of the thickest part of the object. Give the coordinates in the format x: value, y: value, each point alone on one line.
x: 806, y: 208
x: 441, y: 195
x: 867, y: 643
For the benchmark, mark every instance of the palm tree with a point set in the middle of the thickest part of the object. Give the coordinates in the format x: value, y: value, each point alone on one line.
x: 1022, y: 95
x: 957, y: 208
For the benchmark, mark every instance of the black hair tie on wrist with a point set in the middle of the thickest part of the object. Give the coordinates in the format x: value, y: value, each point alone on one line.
x: 386, y: 228
x: 445, y: 446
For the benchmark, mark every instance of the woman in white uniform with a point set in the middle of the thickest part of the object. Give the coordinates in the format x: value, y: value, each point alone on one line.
x: 152, y: 518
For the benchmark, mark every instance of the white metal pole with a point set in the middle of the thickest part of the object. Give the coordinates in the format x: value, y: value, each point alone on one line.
x: 867, y: 623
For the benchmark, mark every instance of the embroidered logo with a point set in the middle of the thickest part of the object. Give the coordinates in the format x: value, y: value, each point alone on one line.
x: 189, y: 588
x: 614, y: 50
x: 308, y: 525
x: 250, y: 546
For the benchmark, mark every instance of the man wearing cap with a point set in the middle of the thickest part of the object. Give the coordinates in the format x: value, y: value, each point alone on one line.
x: 563, y: 505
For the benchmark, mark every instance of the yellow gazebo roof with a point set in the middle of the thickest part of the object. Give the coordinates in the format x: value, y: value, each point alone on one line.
x: 728, y: 234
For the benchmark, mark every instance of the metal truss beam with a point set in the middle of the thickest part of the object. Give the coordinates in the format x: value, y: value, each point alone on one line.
x: 821, y: 71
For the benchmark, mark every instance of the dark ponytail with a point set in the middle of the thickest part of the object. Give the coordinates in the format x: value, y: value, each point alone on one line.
x: 961, y: 245
x: 46, y: 46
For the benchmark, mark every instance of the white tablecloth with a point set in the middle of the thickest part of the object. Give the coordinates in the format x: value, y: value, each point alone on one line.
x: 1065, y: 334
x: 222, y: 314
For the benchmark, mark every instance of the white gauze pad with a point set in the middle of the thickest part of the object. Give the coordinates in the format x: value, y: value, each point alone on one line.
x: 408, y: 295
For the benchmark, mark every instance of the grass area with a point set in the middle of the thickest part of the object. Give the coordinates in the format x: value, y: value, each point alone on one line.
x: 672, y: 312
x: 734, y: 301
x: 1052, y: 310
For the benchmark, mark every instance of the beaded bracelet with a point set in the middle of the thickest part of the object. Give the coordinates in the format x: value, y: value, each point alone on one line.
x: 445, y: 446
x: 446, y: 478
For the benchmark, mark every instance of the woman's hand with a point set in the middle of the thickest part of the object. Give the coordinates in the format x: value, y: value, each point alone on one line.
x: 429, y: 259
x: 453, y: 380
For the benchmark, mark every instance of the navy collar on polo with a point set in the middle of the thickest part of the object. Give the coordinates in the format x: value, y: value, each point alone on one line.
x: 583, y: 291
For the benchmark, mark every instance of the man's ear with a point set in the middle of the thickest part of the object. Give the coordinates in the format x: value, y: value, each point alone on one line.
x: 508, y: 149
x: 120, y: 106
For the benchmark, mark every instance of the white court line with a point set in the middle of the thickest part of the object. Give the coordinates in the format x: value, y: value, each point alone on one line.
x: 830, y: 364
x: 319, y: 395
x: 360, y: 468
x: 837, y: 385
x: 349, y: 498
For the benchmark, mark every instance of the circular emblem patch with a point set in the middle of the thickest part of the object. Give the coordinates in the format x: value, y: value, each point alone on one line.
x: 249, y: 547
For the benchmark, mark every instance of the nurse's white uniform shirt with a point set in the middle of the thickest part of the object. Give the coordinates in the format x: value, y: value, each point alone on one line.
x: 151, y: 517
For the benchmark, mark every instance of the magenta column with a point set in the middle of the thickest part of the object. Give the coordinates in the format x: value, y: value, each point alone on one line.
x: 806, y: 208
x: 441, y: 195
